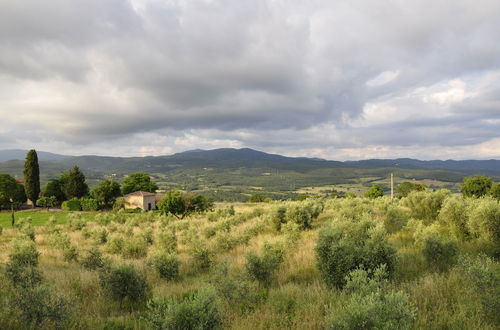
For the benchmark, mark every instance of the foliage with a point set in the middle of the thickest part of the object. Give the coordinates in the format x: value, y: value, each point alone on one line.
x: 55, y: 188
x: 107, y: 192
x: 167, y: 240
x: 374, y: 192
x: 23, y: 260
x: 372, y: 305
x: 135, y: 248
x: 119, y: 204
x: 93, y: 260
x: 125, y: 284
x: 495, y: 191
x: 476, y: 186
x: 195, y: 311
x: 454, y: 213
x: 259, y: 198
x: 182, y: 204
x: 439, y: 253
x: 166, y: 265
x: 346, y: 246
x: 11, y: 193
x: 138, y: 182
x: 484, y: 219
x: 89, y: 204
x: 395, y: 218
x: 484, y: 275
x: 46, y: 202
x: 75, y: 185
x: 202, y: 257
x: 261, y: 268
x: 425, y: 205
x: 73, y: 204
x: 300, y: 213
x: 32, y: 176
x: 407, y: 187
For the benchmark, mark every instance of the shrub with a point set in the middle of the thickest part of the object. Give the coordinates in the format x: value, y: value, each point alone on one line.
x: 124, y: 284
x: 76, y: 221
x: 372, y: 305
x: 135, y: 248
x: 115, y: 244
x: 70, y: 253
x: 72, y: 205
x: 59, y: 240
x: 346, y: 246
x: 1, y: 230
x: 225, y: 242
x: 395, y: 219
x: 167, y: 265
x: 278, y: 217
x: 23, y: 260
x: 93, y: 260
x: 262, y: 268
x: 100, y: 236
x: 439, y: 253
x: 374, y: 192
x: 147, y: 235
x: 119, y: 204
x: 484, y: 219
x: 425, y: 205
x: 196, y: 311
x: 454, y: 213
x: 202, y: 257
x: 167, y: 240
x: 89, y: 204
x: 209, y: 232
x: 24, y: 253
x: 476, y: 186
x: 39, y: 307
x: 484, y: 275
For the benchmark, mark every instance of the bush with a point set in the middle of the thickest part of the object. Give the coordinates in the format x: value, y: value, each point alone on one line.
x: 372, y: 305
x: 454, y: 213
x: 89, y: 204
x: 209, y: 232
x: 70, y: 253
x: 167, y: 265
x: 374, y: 192
x: 76, y: 221
x: 262, y: 268
x: 124, y: 284
x: 1, y: 230
x: 484, y: 219
x: 439, y: 253
x: 278, y: 217
x: 349, y: 245
x: 72, y: 205
x: 202, y: 257
x: 196, y: 311
x: 425, y: 205
x: 484, y: 275
x: 167, y: 240
x: 115, y: 244
x: 22, y: 266
x: 100, y: 236
x: 93, y: 260
x: 476, y: 186
x: 395, y: 219
x: 39, y: 308
x: 135, y: 248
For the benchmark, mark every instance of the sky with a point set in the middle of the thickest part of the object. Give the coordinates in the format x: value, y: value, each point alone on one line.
x: 339, y: 79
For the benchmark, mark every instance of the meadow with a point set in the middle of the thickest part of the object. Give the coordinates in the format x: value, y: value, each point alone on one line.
x: 426, y: 261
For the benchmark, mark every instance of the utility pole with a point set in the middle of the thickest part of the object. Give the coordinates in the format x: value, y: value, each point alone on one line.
x: 392, y: 186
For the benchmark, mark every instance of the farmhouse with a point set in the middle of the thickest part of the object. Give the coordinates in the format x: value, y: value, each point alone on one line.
x: 141, y: 199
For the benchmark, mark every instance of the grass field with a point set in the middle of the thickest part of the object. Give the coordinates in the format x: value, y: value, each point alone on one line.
x: 39, y: 217
x: 247, y: 269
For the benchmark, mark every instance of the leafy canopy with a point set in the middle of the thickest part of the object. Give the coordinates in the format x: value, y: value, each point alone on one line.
x: 138, y: 182
x: 181, y: 204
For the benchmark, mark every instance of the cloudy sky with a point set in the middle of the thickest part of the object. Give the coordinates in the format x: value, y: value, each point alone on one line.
x: 343, y: 79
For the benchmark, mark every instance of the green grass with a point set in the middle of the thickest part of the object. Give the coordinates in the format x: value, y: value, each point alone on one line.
x: 39, y: 217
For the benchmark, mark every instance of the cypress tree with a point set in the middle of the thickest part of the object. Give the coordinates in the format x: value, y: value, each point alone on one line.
x: 32, y: 176
x: 75, y: 185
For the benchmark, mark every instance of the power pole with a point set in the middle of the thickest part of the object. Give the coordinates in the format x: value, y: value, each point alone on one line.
x: 392, y: 186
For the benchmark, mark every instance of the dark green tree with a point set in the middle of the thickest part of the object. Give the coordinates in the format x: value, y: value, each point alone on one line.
x: 138, y: 182
x: 75, y: 186
x: 180, y: 205
x: 476, y: 186
x: 407, y: 187
x: 495, y: 191
x: 374, y: 192
x: 32, y: 177
x: 55, y: 188
x: 11, y: 194
x: 107, y: 192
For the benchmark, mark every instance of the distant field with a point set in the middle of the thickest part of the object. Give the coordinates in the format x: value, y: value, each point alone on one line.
x: 39, y: 217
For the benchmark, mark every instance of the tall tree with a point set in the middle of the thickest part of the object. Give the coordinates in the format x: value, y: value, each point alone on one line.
x: 138, y: 181
x: 476, y: 186
x: 55, y: 188
x: 75, y: 186
x: 32, y: 177
x: 107, y: 192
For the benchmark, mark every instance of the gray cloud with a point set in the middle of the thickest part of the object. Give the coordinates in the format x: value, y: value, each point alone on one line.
x: 287, y: 76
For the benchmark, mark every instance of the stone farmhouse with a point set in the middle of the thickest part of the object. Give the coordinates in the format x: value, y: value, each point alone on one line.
x: 143, y: 200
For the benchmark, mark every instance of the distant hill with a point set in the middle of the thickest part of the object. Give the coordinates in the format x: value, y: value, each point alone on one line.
x: 18, y: 154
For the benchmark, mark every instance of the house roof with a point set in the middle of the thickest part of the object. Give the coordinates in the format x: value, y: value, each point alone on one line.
x: 140, y: 193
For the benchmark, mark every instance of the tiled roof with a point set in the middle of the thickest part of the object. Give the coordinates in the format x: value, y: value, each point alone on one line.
x: 141, y: 193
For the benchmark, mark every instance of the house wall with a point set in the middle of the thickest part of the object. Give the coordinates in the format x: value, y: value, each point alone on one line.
x: 140, y: 202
